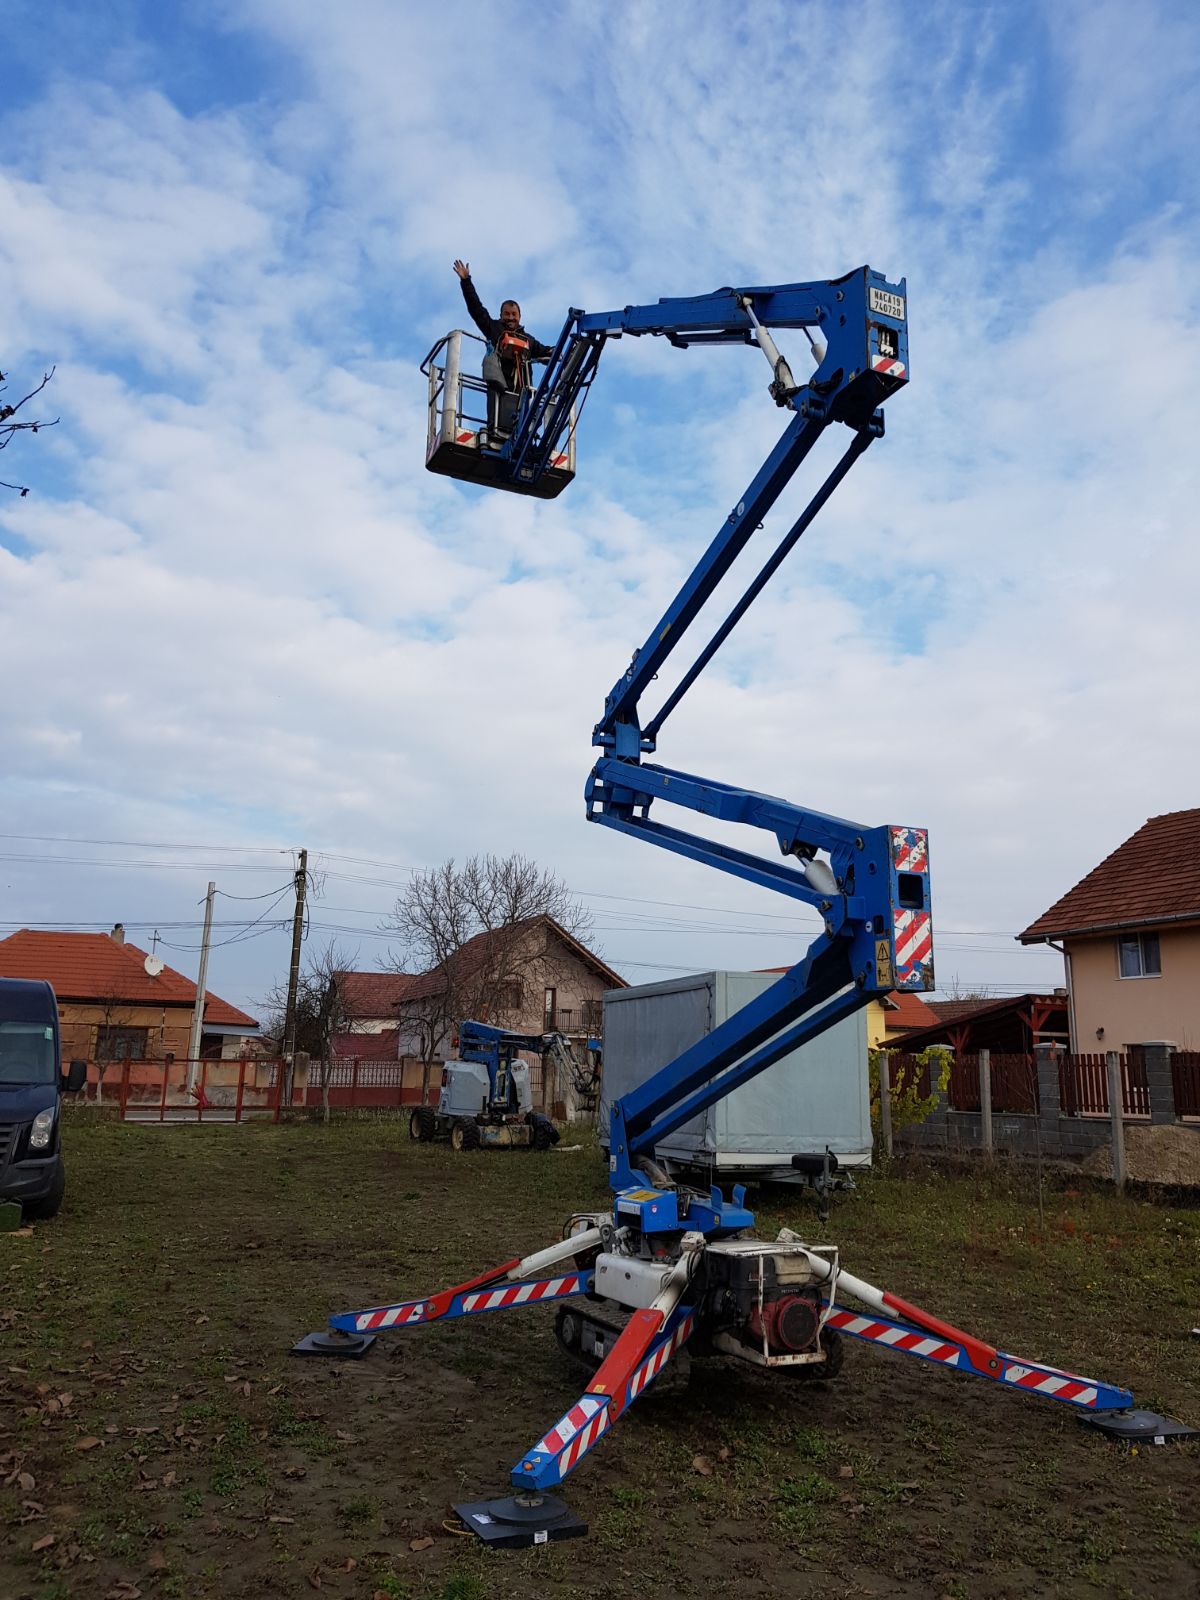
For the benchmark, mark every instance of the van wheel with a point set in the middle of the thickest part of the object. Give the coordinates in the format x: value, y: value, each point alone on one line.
x: 45, y: 1208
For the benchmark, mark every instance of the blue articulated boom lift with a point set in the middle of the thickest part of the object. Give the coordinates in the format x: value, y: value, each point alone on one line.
x: 669, y: 1273
x: 485, y: 1099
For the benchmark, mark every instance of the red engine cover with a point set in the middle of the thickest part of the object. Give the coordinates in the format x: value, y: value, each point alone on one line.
x: 790, y: 1323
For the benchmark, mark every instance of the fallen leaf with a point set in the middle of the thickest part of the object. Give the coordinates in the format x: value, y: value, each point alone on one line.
x: 43, y: 1543
x: 348, y: 1565
x: 276, y: 1389
x: 845, y: 1472
x: 124, y: 1590
x: 702, y: 1465
x: 420, y: 1544
x: 381, y: 1594
x: 168, y: 1480
x: 295, y: 1472
x: 27, y: 1481
x: 245, y: 1388
x: 314, y: 1578
x: 200, y: 1321
x: 88, y: 1442
x: 347, y: 1438
x: 283, y: 1519
x: 157, y: 1561
x: 112, y: 1428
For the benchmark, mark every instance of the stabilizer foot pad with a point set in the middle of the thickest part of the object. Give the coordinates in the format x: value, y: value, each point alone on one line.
x: 1138, y: 1426
x: 332, y: 1342
x: 520, y: 1520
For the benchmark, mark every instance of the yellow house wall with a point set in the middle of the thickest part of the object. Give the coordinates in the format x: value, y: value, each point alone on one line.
x: 168, y: 1027
x: 1133, y: 1010
x: 876, y: 1025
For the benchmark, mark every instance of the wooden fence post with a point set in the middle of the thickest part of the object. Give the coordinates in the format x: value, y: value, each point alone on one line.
x: 885, y: 1103
x: 1116, y: 1108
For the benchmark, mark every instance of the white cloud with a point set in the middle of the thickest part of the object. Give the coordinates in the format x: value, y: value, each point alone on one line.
x: 250, y: 614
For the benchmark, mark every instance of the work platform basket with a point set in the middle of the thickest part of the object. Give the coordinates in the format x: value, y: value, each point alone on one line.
x: 469, y: 429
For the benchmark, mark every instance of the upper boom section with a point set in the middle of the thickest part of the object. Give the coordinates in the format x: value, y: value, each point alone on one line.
x: 862, y: 320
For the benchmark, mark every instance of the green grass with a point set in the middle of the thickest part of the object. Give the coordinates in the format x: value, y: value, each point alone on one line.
x: 165, y: 1298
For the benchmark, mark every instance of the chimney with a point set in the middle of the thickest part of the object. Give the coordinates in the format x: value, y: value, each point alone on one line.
x: 118, y: 934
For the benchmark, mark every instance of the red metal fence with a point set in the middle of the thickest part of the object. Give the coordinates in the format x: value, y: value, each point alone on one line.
x: 1083, y: 1086
x: 186, y: 1091
x: 245, y: 1090
x: 371, y: 1083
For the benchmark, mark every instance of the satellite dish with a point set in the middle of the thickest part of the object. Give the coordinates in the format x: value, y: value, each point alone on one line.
x: 154, y: 965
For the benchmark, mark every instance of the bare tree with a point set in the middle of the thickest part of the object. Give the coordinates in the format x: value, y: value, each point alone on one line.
x: 477, y: 938
x: 116, y: 1019
x: 323, y: 1009
x: 9, y: 429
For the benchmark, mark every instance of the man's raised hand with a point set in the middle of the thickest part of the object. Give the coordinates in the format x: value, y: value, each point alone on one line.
x: 462, y: 268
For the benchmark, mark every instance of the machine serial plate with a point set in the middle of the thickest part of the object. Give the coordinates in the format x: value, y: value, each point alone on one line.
x: 884, y: 304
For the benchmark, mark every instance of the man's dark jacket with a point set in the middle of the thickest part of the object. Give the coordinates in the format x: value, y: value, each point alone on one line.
x: 493, y: 330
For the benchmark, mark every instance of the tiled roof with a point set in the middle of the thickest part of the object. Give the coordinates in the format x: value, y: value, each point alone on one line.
x: 374, y: 994
x: 90, y: 967
x: 904, y: 1009
x: 955, y: 1010
x: 379, y: 994
x: 1153, y: 877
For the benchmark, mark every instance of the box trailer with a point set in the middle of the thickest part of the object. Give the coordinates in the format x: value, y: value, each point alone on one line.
x: 813, y: 1100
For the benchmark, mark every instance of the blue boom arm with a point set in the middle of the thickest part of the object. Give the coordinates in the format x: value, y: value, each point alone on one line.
x: 870, y: 885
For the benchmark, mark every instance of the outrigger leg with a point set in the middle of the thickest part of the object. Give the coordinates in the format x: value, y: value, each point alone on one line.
x: 519, y: 1282
x: 896, y: 1324
x: 647, y: 1342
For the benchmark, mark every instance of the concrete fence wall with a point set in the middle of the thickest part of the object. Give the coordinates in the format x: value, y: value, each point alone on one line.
x: 1050, y: 1130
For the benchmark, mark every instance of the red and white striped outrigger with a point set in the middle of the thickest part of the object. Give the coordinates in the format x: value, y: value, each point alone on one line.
x: 654, y: 1334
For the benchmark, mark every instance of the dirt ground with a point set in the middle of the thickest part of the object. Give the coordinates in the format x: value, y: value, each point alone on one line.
x: 157, y: 1439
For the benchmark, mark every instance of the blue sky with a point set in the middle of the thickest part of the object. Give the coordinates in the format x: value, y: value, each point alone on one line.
x: 236, y: 614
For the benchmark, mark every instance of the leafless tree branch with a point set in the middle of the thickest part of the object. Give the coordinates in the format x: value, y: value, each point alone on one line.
x: 8, y: 428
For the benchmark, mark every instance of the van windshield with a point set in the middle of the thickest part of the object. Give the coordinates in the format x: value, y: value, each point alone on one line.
x: 26, y: 1053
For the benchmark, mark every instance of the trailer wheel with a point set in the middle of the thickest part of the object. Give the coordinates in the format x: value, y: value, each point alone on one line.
x: 464, y: 1135
x: 422, y: 1124
x: 834, y: 1347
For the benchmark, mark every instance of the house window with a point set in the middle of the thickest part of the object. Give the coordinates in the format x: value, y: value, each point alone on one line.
x: 509, y: 996
x: 121, y: 1044
x: 1137, y: 956
x: 551, y: 1011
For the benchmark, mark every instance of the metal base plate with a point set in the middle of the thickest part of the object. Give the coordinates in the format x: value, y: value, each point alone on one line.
x: 520, y: 1520
x: 1140, y: 1426
x: 332, y: 1342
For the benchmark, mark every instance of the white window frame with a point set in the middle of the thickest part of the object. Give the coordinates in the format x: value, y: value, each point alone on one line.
x: 1143, y: 972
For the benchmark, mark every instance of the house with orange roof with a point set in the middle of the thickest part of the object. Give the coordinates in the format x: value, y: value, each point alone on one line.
x: 533, y: 976
x: 115, y: 1003
x: 893, y: 1016
x: 1129, y: 933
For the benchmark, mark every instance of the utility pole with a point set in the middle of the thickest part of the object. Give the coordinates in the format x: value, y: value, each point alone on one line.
x: 289, y: 1025
x: 201, y: 981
